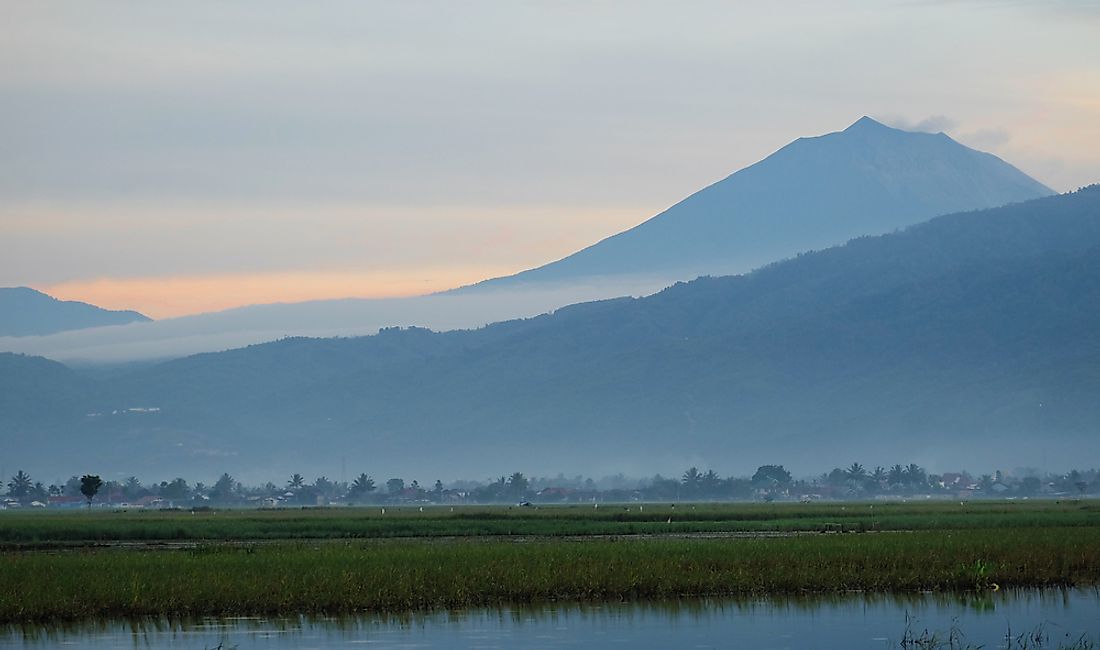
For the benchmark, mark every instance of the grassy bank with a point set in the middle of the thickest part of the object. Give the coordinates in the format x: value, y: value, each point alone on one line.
x: 334, y: 577
x: 31, y: 528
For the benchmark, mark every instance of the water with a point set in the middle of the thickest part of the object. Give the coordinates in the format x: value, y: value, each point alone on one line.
x: 852, y: 621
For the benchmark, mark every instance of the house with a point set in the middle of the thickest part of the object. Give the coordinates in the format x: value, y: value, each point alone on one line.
x: 65, y: 502
x: 562, y: 494
x: 150, y: 501
x: 955, y: 479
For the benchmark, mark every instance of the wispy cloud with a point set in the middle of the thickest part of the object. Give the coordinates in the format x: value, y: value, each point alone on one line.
x: 930, y: 124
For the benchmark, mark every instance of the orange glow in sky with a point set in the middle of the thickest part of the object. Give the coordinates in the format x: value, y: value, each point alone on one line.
x: 177, y: 296
x: 209, y: 161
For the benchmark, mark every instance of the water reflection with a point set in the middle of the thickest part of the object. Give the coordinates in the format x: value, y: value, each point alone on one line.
x: 830, y: 621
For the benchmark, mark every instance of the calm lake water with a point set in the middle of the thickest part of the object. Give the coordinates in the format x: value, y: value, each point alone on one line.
x: 853, y: 621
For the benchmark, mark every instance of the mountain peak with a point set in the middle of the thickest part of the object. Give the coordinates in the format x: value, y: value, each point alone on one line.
x: 813, y: 193
x: 867, y: 124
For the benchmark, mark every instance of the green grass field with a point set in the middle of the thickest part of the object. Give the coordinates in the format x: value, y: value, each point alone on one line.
x: 334, y: 577
x: 51, y: 527
x: 324, y: 561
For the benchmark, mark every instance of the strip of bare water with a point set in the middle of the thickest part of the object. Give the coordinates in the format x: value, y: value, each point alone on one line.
x: 1006, y: 619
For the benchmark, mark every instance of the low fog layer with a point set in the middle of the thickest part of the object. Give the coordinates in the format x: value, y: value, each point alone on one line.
x: 235, y: 328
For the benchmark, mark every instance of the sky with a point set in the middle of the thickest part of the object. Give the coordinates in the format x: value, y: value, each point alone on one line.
x: 178, y: 158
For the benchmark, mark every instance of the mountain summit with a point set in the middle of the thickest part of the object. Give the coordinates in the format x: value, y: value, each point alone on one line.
x: 813, y: 193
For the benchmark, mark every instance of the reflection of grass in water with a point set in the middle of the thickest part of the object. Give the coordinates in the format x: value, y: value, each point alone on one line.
x: 696, y: 611
x: 56, y: 527
x: 346, y: 576
x: 954, y: 639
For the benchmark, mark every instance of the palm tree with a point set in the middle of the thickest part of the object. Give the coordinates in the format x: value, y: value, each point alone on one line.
x: 691, y: 480
x: 517, y: 485
x: 324, y: 486
x: 915, y: 475
x: 39, y: 493
x: 896, y: 475
x: 131, y: 487
x: 176, y: 490
x: 20, y: 485
x: 879, y: 475
x: 709, y: 482
x: 296, y: 482
x: 500, y: 489
x: 856, y: 472
x: 362, y: 485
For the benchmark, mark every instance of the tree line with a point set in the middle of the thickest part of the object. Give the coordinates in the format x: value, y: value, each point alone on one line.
x: 767, y: 482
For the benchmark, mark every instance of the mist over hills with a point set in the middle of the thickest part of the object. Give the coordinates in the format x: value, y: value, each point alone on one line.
x: 26, y: 312
x: 970, y: 340
x: 812, y: 193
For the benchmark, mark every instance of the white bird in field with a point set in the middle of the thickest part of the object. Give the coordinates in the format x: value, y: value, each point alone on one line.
x: 383, y: 511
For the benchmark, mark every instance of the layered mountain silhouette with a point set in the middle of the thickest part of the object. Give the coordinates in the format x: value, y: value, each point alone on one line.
x: 26, y: 312
x: 813, y: 193
x: 970, y: 340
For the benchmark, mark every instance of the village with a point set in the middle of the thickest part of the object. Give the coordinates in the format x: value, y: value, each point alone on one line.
x: 769, y: 483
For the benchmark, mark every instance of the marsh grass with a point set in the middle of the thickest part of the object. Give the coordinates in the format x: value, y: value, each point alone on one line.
x: 349, y: 576
x: 954, y: 638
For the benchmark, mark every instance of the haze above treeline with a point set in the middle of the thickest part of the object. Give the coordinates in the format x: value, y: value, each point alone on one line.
x: 768, y: 482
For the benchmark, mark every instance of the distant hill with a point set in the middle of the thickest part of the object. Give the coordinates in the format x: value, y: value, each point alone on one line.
x: 26, y: 312
x: 970, y: 340
x: 811, y: 194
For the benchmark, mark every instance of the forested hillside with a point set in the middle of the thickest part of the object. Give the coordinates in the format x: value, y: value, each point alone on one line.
x: 972, y: 339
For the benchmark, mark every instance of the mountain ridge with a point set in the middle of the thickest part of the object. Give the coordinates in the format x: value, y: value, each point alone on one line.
x: 971, y: 338
x: 810, y: 194
x: 28, y: 312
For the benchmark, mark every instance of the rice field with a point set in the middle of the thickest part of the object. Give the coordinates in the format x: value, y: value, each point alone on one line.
x: 392, y: 575
x: 80, y: 565
x: 26, y: 528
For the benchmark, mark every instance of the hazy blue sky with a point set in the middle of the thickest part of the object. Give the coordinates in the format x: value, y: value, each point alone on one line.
x: 183, y: 156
